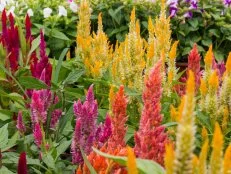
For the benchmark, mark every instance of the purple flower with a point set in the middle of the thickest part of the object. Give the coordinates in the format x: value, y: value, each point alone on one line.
x: 56, y: 114
x: 104, y: 131
x: 227, y: 3
x: 20, y: 125
x: 87, y: 133
x: 172, y: 7
x: 38, y: 136
x: 188, y: 14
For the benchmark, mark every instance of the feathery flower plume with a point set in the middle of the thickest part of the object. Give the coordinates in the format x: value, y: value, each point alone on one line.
x: 131, y: 163
x: 119, y: 119
x: 216, y: 161
x: 203, y: 158
x: 227, y: 160
x: 169, y: 158
x: 37, y: 67
x: 55, y: 116
x: 38, y: 135
x: 194, y: 64
x: 186, y: 131
x: 10, y: 40
x: 20, y: 125
x: 28, y: 29
x: 208, y: 63
x: 151, y: 139
x: 87, y: 132
x: 22, y: 166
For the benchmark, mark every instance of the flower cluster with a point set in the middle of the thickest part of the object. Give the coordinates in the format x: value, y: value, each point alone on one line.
x: 87, y: 132
x: 150, y: 139
x: 10, y: 40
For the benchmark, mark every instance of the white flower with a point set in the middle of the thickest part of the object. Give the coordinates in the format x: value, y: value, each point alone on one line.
x: 47, y: 12
x: 11, y: 10
x: 73, y: 7
x: 30, y: 12
x: 2, y: 6
x: 62, y: 11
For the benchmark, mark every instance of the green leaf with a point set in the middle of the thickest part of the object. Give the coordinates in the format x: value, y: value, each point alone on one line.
x: 73, y: 77
x: 129, y: 134
x: 5, y: 115
x: 193, y: 22
x: 3, y: 136
x: 144, y: 166
x: 170, y: 124
x: 12, y: 142
x: 57, y: 34
x: 32, y: 83
x: 57, y: 69
x: 34, y: 46
x: 86, y: 161
x: 62, y: 147
x: 4, y: 170
x: 49, y: 161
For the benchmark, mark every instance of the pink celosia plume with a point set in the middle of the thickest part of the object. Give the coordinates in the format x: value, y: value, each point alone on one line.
x: 150, y: 140
x: 38, y: 136
x: 20, y: 124
x: 22, y: 164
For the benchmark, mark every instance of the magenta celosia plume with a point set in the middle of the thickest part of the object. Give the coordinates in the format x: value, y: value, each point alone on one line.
x: 87, y: 133
x: 22, y: 164
x: 10, y: 40
x: 150, y: 140
x: 38, y: 136
x: 20, y: 124
x: 28, y: 29
x: 38, y: 66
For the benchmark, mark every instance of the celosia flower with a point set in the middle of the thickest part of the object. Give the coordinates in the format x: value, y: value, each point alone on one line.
x: 10, y: 40
x: 22, y: 164
x: 227, y: 160
x: 216, y: 161
x: 194, y: 64
x: 20, y: 125
x: 38, y: 106
x: 203, y: 157
x: 119, y: 119
x: 169, y: 158
x: 183, y: 162
x: 86, y: 127
x: 38, y: 66
x: 55, y: 116
x: 38, y: 135
x: 28, y: 28
x: 151, y: 139
x: 131, y: 163
x: 104, y: 131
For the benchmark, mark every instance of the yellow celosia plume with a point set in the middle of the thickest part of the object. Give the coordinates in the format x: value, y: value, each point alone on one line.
x: 131, y: 163
x: 172, y: 53
x: 204, y: 134
x: 209, y: 57
x: 203, y: 87
x: 214, y: 81
x: 169, y: 158
x: 185, y: 139
x: 228, y: 64
x: 227, y: 160
x: 203, y: 158
x: 216, y: 161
